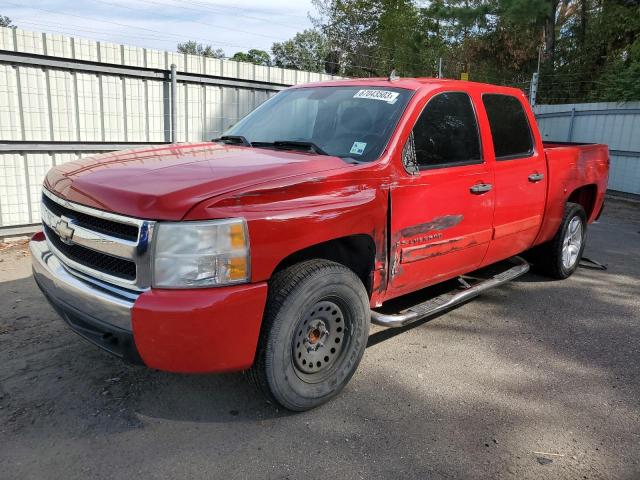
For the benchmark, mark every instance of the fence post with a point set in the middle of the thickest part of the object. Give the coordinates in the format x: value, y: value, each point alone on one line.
x: 571, y: 121
x: 533, y: 89
x: 174, y: 104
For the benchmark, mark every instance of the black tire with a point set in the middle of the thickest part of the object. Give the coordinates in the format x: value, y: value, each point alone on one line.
x: 319, y: 310
x: 548, y: 257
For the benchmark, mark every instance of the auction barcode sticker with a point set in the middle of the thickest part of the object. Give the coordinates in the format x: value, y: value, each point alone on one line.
x: 383, y: 95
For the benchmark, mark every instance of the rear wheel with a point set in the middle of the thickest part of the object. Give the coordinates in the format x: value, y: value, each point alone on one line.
x: 560, y: 257
x: 314, y: 334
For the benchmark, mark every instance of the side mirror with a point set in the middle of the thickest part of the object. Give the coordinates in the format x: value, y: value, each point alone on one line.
x: 409, y: 159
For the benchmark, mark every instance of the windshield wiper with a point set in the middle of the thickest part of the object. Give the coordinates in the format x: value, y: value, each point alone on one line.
x: 294, y: 145
x: 234, y: 140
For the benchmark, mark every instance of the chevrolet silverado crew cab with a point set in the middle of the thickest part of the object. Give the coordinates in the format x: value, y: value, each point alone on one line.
x: 272, y: 248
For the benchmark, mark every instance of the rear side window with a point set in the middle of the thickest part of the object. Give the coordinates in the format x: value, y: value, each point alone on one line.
x: 446, y: 133
x: 509, y: 127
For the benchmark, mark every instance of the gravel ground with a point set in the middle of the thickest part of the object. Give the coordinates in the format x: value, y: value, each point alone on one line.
x: 537, y: 379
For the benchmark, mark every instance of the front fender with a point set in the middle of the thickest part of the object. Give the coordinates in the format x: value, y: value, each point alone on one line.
x: 284, y: 219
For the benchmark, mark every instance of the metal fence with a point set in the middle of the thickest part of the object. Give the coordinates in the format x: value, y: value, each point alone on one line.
x: 62, y: 98
x: 616, y: 124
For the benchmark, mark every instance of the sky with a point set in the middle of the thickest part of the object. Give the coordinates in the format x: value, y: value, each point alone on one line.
x: 231, y: 25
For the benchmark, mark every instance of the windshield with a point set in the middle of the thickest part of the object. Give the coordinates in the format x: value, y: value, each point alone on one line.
x: 347, y: 122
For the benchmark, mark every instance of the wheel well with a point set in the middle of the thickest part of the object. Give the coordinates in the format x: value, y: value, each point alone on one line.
x: 586, y: 197
x: 356, y: 252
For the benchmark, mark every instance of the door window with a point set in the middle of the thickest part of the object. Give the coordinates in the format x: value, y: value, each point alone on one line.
x: 446, y: 134
x: 509, y: 127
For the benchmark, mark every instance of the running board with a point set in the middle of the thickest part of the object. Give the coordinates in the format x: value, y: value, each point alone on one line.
x: 448, y: 300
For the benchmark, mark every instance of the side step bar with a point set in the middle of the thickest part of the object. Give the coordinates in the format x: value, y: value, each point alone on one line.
x: 448, y: 300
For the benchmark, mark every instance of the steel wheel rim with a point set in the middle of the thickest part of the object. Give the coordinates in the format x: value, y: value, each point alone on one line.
x: 572, y: 243
x: 319, y: 340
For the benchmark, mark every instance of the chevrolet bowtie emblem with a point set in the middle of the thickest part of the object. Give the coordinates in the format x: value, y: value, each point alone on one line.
x: 64, y: 231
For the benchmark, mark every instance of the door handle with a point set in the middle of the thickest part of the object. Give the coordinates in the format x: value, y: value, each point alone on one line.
x: 536, y: 177
x: 480, y: 188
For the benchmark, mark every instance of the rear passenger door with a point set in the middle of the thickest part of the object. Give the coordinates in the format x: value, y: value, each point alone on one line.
x: 442, y: 206
x: 520, y: 177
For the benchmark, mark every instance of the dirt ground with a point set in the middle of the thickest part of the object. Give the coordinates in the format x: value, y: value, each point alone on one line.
x: 536, y: 379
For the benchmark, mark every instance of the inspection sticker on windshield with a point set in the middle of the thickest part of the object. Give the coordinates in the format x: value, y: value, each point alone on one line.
x: 358, y: 148
x: 384, y: 95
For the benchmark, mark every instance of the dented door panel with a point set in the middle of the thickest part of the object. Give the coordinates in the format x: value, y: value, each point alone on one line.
x: 439, y: 228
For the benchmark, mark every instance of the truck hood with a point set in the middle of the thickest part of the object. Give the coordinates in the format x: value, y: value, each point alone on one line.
x: 164, y: 183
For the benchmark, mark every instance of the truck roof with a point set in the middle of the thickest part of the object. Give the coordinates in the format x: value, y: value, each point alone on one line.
x: 413, y: 84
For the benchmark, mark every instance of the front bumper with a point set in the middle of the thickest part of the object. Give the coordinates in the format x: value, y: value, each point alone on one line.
x: 94, y: 310
x: 189, y: 331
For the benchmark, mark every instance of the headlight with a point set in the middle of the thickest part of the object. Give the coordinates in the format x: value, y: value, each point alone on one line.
x: 200, y: 254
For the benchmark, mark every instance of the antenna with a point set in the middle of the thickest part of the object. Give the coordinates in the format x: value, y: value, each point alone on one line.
x: 393, y: 75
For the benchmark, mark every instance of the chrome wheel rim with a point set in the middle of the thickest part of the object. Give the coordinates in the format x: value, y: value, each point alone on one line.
x: 572, y: 243
x: 319, y: 339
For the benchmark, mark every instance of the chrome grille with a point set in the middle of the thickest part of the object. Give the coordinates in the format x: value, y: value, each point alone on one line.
x: 110, y: 247
x: 119, y: 230
x: 118, y: 267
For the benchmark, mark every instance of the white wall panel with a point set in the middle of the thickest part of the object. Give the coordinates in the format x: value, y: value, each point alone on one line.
x: 136, y: 110
x: 195, y: 120
x: 276, y: 75
x: 89, y: 111
x: 229, y: 69
x: 113, y: 109
x: 35, y: 110
x: 38, y: 164
x: 156, y: 59
x: 261, y: 73
x: 133, y: 56
x: 110, y: 52
x: 85, y: 49
x: 156, y: 109
x: 181, y: 130
x: 60, y: 158
x: 245, y: 70
x: 6, y: 39
x: 246, y: 101
x: 58, y: 45
x: 62, y: 97
x: 14, y: 208
x: 175, y: 58
x: 290, y: 76
x: 214, y: 120
x: 213, y: 66
x: 10, y: 128
x: 229, y: 107
x: 193, y: 63
x: 29, y: 42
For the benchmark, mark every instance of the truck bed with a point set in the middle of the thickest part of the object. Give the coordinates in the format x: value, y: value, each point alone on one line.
x: 581, y: 168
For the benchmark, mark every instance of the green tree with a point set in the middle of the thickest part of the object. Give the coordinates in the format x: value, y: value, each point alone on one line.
x: 307, y: 50
x: 194, y: 48
x: 6, y: 22
x: 350, y: 27
x: 258, y: 57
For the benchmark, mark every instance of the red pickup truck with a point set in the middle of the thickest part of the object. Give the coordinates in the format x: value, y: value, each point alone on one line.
x: 272, y: 248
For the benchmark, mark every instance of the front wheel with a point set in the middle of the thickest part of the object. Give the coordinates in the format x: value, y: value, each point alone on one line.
x: 314, y: 334
x: 560, y: 257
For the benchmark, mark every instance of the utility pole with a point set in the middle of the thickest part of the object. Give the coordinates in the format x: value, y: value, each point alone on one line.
x: 440, y: 68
